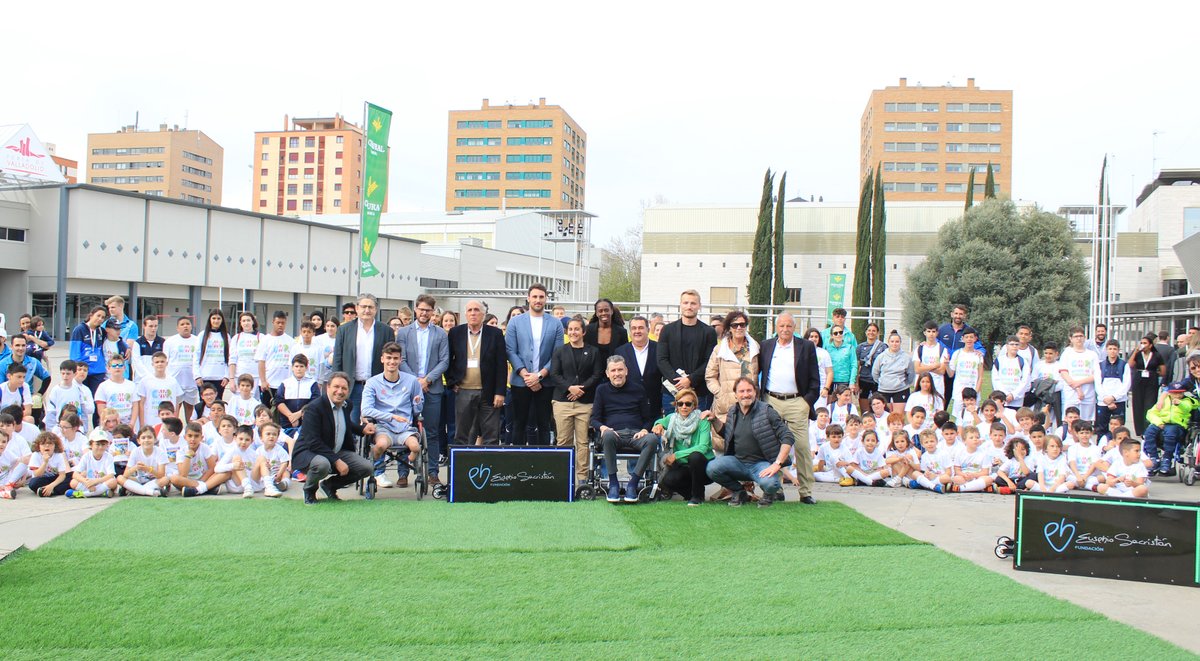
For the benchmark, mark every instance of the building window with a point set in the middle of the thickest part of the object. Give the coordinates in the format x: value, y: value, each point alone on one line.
x: 529, y: 124
x: 477, y: 158
x: 337, y: 188
x: 310, y: 141
x: 337, y: 155
x: 929, y: 188
x: 308, y: 173
x: 793, y: 294
x: 339, y: 140
x: 953, y: 128
x: 899, y: 146
x: 266, y: 141
x: 291, y: 189
x: 528, y: 158
x: 954, y: 146
x: 476, y: 176
x: 294, y: 157
x: 900, y: 107
x: 983, y: 128
x: 1191, y: 221
x: 536, y: 176
x: 954, y: 107
x: 262, y: 188
x: 309, y: 157
x: 479, y: 124
x: 899, y: 167
x: 530, y: 141
x: 266, y: 156
x: 982, y: 167
x: 722, y: 295
x: 291, y: 205
x: 337, y: 171
x: 197, y: 157
x: 528, y: 192
x: 929, y: 107
x: 477, y: 142
x: 485, y: 192
x: 308, y: 189
x: 929, y: 167
x: 263, y: 172
x: 293, y: 143
x: 984, y: 147
x: 307, y: 205
x: 956, y: 188
x: 956, y: 167
x: 262, y: 203
x: 337, y: 203
x: 1175, y: 287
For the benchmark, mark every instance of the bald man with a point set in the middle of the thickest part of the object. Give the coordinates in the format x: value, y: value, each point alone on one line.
x: 478, y: 374
x: 791, y: 384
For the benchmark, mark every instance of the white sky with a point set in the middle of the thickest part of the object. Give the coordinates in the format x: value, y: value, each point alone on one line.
x: 689, y: 101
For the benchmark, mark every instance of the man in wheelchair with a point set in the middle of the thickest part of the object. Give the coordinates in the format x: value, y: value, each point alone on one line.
x: 622, y: 417
x: 392, y: 399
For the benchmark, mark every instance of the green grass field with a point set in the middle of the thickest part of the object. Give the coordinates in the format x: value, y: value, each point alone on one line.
x: 232, y: 579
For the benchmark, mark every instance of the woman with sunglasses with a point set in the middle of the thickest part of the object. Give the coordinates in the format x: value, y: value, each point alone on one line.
x: 688, y: 438
x: 735, y: 356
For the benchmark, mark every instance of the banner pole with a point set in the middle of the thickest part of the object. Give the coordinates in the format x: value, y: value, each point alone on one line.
x: 362, y: 206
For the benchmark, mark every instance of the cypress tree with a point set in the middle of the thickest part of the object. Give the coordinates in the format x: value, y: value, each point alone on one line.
x: 970, y: 190
x: 861, y: 295
x: 759, y: 289
x: 878, y: 246
x: 989, y: 186
x: 779, y: 294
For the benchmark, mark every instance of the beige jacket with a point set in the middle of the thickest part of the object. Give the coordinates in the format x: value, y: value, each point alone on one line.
x: 723, y: 370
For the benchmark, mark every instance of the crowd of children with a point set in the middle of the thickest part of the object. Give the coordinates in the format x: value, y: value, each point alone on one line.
x: 987, y: 449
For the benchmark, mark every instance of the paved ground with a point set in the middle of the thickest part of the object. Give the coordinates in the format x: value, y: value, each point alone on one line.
x: 966, y: 525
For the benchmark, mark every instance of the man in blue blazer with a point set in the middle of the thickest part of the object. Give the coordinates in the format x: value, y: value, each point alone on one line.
x: 641, y: 355
x: 426, y: 356
x: 370, y: 333
x: 530, y: 341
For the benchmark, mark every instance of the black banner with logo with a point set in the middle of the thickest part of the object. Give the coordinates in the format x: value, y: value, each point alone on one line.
x: 1123, y: 538
x: 495, y: 474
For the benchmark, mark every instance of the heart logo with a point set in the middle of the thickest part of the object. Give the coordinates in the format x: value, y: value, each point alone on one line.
x: 1061, y: 530
x: 479, y: 476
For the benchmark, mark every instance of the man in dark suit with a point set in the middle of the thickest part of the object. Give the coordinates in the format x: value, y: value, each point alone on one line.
x: 641, y: 355
x: 358, y: 348
x: 791, y: 383
x: 478, y: 374
x: 686, y: 344
x: 326, y: 443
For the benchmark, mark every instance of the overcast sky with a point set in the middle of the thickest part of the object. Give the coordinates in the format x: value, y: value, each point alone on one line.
x: 680, y: 100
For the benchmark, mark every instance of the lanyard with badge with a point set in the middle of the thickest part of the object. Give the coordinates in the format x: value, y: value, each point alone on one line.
x: 473, y: 350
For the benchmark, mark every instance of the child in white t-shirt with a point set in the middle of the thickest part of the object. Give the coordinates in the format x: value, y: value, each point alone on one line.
x: 95, y: 475
x: 973, y: 466
x: 842, y: 406
x: 966, y: 366
x: 867, y: 466
x: 171, y: 443
x: 936, y: 469
x: 244, y: 402
x: 75, y: 442
x: 997, y: 436
x: 158, y: 388
x: 916, y: 422
x: 15, y: 392
x: 197, y: 466
x: 237, y: 463
x: 48, y: 467
x: 830, y: 465
x: 1083, y: 460
x: 1052, y: 468
x: 118, y: 394
x: 66, y: 392
x: 145, y: 471
x: 12, y: 469
x: 852, y: 439
x: 272, y: 464
x: 902, y: 459
x: 1128, y: 476
x: 17, y: 444
x: 1016, y: 472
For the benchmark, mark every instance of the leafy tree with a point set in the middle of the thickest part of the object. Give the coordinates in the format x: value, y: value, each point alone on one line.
x: 761, y: 259
x: 970, y: 191
x: 621, y: 270
x: 878, y: 245
x: 989, y: 186
x: 861, y: 294
x: 779, y: 294
x: 1009, y: 268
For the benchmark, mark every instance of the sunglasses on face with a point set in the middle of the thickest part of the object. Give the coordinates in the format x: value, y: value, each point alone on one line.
x: 738, y: 324
x: 836, y: 333
x: 685, y: 403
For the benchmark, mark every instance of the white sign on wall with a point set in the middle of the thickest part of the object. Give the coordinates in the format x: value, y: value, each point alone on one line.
x: 24, y: 157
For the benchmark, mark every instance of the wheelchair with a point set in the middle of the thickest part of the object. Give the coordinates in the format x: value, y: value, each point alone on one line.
x: 1186, y: 468
x: 397, y: 455
x: 596, y: 482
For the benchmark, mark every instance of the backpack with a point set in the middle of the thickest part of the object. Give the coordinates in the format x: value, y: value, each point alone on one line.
x: 1020, y: 362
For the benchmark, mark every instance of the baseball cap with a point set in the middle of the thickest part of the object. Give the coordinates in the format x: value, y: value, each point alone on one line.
x: 1177, y: 387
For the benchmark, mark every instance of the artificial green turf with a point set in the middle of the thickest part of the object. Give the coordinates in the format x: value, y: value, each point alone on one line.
x: 700, y: 583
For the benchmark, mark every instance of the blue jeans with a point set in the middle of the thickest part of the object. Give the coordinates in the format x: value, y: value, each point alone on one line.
x: 431, y: 414
x: 356, y: 402
x: 729, y: 472
x: 1171, y: 435
x: 1104, y: 414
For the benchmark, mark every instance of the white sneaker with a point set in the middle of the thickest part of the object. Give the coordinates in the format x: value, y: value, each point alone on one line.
x: 248, y: 492
x: 893, y: 481
x: 383, y: 482
x: 270, y: 491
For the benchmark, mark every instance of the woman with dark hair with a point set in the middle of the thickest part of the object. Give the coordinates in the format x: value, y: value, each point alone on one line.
x: 245, y: 345
x: 575, y: 371
x: 735, y: 356
x: 318, y: 319
x: 824, y: 366
x: 211, y: 364
x: 1146, y: 368
x: 606, y: 329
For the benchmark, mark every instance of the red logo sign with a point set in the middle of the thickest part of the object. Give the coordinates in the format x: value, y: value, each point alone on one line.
x: 23, y: 149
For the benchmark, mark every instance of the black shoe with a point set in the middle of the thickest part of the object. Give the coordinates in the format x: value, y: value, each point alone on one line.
x: 739, y: 498
x: 122, y: 492
x: 328, y: 490
x: 310, y: 496
x: 190, y: 492
x: 766, y: 501
x: 879, y: 483
x: 808, y: 500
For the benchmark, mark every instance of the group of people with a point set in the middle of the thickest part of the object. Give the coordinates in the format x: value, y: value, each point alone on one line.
x: 252, y: 411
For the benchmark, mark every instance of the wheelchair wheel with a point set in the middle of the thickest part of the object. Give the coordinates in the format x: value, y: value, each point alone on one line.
x: 584, y: 492
x: 439, y: 491
x: 1004, y: 548
x: 421, y: 484
x: 646, y: 494
x: 369, y: 488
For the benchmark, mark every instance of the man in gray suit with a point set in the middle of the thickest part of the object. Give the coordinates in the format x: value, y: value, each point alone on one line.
x: 358, y: 349
x: 426, y: 356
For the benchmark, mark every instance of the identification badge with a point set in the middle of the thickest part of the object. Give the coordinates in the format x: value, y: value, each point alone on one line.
x: 472, y: 364
x: 1145, y: 374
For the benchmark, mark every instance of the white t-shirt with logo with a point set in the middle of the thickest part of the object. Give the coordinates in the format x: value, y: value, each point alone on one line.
x: 120, y: 397
x: 276, y: 352
x: 181, y: 355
